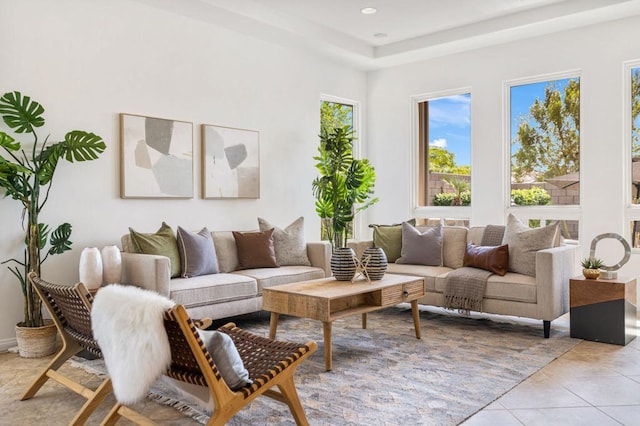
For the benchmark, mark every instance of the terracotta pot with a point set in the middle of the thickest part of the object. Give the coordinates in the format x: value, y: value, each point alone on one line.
x: 36, y: 342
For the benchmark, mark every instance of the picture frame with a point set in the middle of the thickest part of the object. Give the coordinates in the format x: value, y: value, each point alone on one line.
x: 230, y: 162
x: 156, y: 157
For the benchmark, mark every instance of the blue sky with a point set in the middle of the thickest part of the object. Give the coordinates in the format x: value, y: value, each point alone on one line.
x: 450, y: 118
x: 450, y: 126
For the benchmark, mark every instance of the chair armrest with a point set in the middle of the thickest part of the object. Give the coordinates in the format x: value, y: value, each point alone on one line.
x: 359, y: 246
x: 147, y: 271
x: 554, y: 268
x: 319, y: 254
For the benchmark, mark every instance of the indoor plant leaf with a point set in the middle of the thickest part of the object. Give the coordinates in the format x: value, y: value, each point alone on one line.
x: 60, y: 239
x: 20, y: 112
x: 9, y: 143
x: 82, y: 146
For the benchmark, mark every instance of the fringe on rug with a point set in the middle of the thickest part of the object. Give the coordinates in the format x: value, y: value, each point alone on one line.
x: 463, y: 304
x: 180, y: 406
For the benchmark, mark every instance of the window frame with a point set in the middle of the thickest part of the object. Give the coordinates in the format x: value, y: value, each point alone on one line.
x: 524, y: 213
x: 632, y: 211
x: 424, y: 212
x: 358, y: 150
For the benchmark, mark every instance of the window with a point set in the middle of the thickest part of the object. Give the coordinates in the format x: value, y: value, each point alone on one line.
x: 544, y: 132
x: 336, y: 113
x: 632, y: 73
x: 444, y: 145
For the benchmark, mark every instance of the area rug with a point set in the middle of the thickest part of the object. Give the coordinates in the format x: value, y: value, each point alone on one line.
x: 383, y: 375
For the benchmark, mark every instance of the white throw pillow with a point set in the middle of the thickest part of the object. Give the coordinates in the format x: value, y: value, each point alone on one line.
x: 226, y: 357
x: 524, y: 243
x: 290, y: 245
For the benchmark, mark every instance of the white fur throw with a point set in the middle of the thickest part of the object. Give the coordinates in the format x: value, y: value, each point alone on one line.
x: 127, y: 323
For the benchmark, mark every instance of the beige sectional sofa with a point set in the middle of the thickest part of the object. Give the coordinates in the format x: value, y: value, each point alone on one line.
x: 544, y: 296
x: 227, y: 293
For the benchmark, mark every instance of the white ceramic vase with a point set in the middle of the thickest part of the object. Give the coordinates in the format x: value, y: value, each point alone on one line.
x: 111, y: 264
x: 90, y: 268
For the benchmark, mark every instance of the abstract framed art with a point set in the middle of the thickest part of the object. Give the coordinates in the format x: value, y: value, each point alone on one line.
x: 230, y: 162
x: 156, y: 157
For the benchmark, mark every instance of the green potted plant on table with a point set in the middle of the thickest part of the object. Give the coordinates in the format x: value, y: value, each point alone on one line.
x: 26, y: 175
x: 591, y: 267
x: 344, y: 188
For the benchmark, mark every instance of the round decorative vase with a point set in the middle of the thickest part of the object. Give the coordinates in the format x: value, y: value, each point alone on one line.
x: 591, y: 274
x: 90, y: 268
x: 342, y: 265
x: 377, y: 265
x: 111, y: 264
x: 36, y: 342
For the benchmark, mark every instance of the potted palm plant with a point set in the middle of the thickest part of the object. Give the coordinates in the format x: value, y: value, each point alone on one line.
x: 26, y: 175
x: 344, y: 187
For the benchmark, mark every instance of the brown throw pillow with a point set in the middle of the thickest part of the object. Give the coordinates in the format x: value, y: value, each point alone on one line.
x: 490, y: 258
x: 255, y: 249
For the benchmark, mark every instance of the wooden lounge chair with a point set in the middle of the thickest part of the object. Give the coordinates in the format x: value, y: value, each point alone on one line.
x: 270, y: 363
x: 70, y: 308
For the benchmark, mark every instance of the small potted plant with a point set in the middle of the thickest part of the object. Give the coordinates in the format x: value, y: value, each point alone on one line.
x: 591, y: 267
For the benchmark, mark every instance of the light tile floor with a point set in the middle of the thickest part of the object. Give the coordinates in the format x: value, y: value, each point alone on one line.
x: 592, y: 384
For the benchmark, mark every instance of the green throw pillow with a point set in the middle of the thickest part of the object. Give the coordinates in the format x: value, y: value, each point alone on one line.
x: 389, y: 239
x: 163, y: 243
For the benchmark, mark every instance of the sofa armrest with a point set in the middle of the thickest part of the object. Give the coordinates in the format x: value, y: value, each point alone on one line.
x: 554, y: 268
x: 359, y: 246
x: 319, y: 254
x: 147, y: 271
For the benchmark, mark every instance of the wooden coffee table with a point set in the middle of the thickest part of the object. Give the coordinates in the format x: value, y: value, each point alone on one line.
x: 327, y: 300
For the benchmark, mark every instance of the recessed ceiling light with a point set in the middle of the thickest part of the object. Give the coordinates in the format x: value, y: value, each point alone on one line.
x: 368, y: 10
x: 380, y: 35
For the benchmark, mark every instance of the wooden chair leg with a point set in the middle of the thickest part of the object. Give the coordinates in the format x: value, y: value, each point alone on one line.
x: 92, y: 403
x: 288, y: 389
x: 67, y: 351
x: 113, y: 416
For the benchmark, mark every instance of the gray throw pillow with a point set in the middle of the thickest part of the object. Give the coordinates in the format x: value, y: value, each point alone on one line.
x: 226, y: 357
x: 197, y: 253
x: 289, y: 243
x: 421, y: 248
x: 524, y: 243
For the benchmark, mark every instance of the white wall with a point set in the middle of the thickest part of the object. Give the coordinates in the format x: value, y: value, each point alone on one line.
x: 86, y: 62
x: 598, y: 52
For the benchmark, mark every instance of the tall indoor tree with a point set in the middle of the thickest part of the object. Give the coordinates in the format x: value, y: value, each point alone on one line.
x: 26, y: 174
x: 345, y: 185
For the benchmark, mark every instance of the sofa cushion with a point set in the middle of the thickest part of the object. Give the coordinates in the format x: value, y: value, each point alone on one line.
x: 197, y: 253
x: 454, y: 244
x: 226, y: 250
x: 389, y: 239
x: 512, y: 287
x: 268, y: 277
x: 163, y: 243
x: 493, y: 259
x: 421, y: 248
x: 429, y: 273
x: 289, y: 243
x: 524, y: 242
x: 255, y: 249
x: 210, y: 289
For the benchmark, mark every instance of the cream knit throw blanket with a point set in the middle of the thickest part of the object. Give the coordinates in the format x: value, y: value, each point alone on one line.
x: 464, y: 289
x: 128, y: 325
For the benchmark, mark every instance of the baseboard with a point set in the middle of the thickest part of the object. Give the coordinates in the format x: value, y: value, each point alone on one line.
x: 6, y: 344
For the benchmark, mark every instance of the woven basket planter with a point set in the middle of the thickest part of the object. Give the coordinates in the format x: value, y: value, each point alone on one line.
x: 36, y: 342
